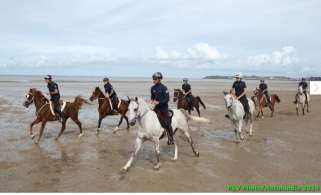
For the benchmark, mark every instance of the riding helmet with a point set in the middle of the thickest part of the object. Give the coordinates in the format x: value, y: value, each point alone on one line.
x: 48, y: 77
x: 106, y: 79
x: 185, y: 79
x: 303, y: 78
x: 238, y: 75
x: 262, y: 80
x: 157, y: 75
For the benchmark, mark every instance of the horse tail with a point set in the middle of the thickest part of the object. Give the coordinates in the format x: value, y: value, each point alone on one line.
x: 79, y: 101
x: 194, y: 118
x: 277, y: 99
x: 199, y: 99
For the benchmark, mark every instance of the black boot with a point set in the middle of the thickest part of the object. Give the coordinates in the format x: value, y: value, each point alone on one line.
x: 269, y: 104
x: 62, y: 118
x: 116, y: 112
x: 227, y: 116
x: 171, y: 138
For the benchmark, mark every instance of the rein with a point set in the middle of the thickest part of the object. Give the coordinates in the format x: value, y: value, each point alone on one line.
x: 137, y: 116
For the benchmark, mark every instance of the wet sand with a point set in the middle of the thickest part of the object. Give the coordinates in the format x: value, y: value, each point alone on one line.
x: 284, y: 150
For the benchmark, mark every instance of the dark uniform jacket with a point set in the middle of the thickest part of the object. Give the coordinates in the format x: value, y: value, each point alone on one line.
x: 51, y: 87
x: 186, y: 88
x: 239, y: 87
x: 160, y: 93
x: 108, y: 87
x: 304, y: 85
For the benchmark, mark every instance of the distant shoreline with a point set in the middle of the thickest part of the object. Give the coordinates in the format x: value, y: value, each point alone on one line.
x: 253, y: 77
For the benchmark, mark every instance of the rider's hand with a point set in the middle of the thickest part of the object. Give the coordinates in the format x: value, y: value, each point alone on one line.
x: 107, y: 96
x: 48, y: 93
x: 154, y: 102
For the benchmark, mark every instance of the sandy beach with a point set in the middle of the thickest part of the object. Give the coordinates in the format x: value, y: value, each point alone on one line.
x: 283, y: 151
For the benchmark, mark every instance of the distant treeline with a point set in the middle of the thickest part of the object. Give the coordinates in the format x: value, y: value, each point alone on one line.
x: 253, y: 77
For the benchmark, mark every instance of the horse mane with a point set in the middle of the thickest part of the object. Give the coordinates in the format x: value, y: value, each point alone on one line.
x: 37, y: 92
x: 142, y: 102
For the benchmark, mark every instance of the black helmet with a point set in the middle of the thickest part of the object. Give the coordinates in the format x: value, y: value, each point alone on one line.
x: 106, y: 79
x: 303, y: 78
x: 157, y: 75
x: 48, y: 77
x: 185, y: 79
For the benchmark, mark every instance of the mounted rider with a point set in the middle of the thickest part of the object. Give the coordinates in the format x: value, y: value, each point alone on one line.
x: 239, y: 92
x: 55, y: 95
x: 160, y: 98
x: 188, y: 93
x: 111, y: 93
x: 304, y: 87
x: 264, y: 88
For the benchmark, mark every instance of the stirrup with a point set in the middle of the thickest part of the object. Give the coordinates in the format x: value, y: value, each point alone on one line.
x: 170, y: 141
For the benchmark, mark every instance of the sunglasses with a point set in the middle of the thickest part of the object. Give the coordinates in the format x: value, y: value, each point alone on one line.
x: 155, y: 79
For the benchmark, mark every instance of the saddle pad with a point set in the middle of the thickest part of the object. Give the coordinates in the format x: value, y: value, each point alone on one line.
x: 62, y: 106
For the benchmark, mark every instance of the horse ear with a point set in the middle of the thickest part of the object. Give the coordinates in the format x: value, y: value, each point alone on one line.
x: 224, y: 92
x: 230, y: 90
x: 129, y: 99
x: 136, y: 99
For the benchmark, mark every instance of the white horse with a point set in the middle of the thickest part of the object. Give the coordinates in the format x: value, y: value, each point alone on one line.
x: 150, y: 128
x: 236, y: 112
x: 300, y: 99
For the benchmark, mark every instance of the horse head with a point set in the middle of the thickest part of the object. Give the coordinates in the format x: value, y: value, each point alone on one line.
x: 300, y: 90
x: 256, y: 92
x: 29, y: 98
x: 228, y: 99
x: 133, y: 111
x: 96, y: 94
x: 177, y: 94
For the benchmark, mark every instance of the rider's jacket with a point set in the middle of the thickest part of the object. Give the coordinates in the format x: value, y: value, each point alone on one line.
x: 160, y: 93
x: 51, y: 87
x: 186, y: 88
x: 239, y: 87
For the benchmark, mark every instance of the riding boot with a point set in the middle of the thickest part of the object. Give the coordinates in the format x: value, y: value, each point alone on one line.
x: 247, y: 112
x: 62, y: 118
x: 227, y: 116
x: 269, y: 104
x: 116, y: 112
x: 295, y: 102
x: 171, y: 138
x: 191, y: 105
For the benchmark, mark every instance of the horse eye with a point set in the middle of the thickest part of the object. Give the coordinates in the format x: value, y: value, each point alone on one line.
x: 135, y: 109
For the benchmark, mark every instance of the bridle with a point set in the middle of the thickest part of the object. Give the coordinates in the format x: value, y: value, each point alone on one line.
x: 139, y: 117
x: 177, y: 97
x: 32, y: 99
x: 231, y: 103
x: 98, y: 96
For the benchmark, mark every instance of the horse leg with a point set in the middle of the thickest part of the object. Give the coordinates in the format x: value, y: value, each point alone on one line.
x: 240, y: 129
x: 272, y: 110
x: 303, y: 106
x: 138, y: 144
x: 297, y: 109
x: 189, y: 138
x: 120, y: 121
x: 76, y: 120
x: 43, y: 124
x: 31, y: 125
x: 308, y: 107
x: 99, y: 122
x: 156, y: 142
x: 63, y: 127
x: 126, y: 121
x: 235, y: 130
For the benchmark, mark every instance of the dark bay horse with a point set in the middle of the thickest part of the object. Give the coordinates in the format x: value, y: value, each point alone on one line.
x: 182, y: 101
x: 44, y: 113
x: 262, y: 102
x: 104, y: 108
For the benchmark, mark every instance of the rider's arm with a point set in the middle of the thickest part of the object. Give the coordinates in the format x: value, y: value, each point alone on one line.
x: 111, y: 92
x: 166, y: 99
x: 233, y: 92
x: 54, y: 92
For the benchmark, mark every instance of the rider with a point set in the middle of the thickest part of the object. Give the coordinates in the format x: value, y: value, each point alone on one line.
x: 264, y: 88
x: 304, y: 87
x: 188, y: 92
x: 110, y: 92
x: 160, y: 98
x: 55, y: 95
x: 239, y: 92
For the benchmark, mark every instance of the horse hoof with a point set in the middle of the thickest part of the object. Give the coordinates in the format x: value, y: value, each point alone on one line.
x: 56, y: 138
x: 250, y: 135
x: 174, y: 159
x: 197, y: 153
x: 247, y: 132
x: 36, y: 142
x: 80, y: 135
x: 32, y: 136
x: 262, y: 116
x: 114, y: 132
x: 123, y: 170
x: 156, y: 168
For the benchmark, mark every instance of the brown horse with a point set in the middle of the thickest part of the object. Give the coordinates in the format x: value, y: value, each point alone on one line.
x: 183, y: 102
x: 104, y: 108
x: 44, y: 113
x: 262, y: 102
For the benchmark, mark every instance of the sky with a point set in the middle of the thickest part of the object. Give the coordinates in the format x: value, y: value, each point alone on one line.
x: 179, y: 38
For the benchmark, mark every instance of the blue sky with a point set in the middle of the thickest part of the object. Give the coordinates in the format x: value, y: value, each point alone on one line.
x: 180, y: 38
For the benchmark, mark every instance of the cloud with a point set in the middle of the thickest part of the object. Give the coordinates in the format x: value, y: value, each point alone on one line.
x: 275, y: 59
x: 200, y: 52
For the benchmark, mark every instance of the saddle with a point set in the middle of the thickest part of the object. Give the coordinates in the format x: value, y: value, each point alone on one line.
x: 243, y: 104
x: 163, y: 123
x: 62, y: 105
x: 118, y: 103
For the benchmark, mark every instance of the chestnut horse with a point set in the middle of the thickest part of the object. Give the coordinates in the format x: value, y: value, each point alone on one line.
x: 182, y: 101
x: 104, y: 108
x: 262, y: 102
x: 44, y: 113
